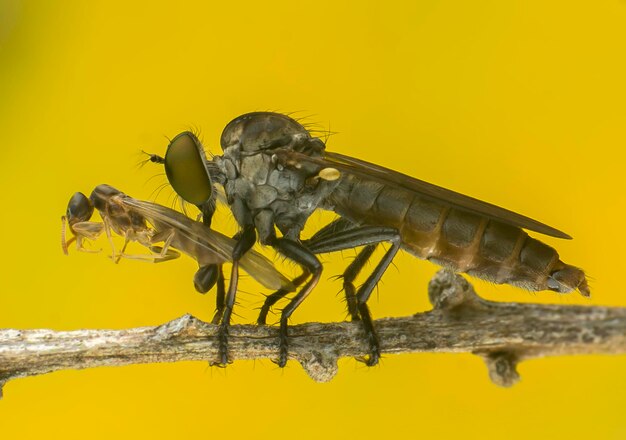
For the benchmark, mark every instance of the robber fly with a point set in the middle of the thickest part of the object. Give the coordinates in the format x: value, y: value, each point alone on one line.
x: 149, y: 224
x: 275, y: 174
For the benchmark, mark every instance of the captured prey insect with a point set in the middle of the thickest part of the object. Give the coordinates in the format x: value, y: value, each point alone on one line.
x: 275, y: 174
x: 149, y: 224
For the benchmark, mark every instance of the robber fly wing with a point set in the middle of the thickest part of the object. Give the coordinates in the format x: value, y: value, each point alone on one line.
x: 370, y: 171
x: 255, y: 264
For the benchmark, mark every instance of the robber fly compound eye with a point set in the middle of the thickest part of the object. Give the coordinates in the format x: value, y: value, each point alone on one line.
x: 186, y: 169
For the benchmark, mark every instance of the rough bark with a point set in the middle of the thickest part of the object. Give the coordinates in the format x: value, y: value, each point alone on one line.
x: 502, y: 333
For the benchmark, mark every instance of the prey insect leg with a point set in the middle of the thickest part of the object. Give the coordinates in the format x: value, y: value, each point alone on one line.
x: 121, y: 254
x: 161, y: 253
x: 107, y: 230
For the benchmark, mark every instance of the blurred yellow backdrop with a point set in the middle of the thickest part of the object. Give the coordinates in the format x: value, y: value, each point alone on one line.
x: 520, y: 103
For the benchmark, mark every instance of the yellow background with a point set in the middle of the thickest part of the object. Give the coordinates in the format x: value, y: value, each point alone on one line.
x: 520, y: 103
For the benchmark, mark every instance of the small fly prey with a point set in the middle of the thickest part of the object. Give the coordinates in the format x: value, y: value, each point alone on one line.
x: 275, y: 174
x: 150, y: 224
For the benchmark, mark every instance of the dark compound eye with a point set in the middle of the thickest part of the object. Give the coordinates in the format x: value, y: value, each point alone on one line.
x: 79, y: 209
x: 185, y: 167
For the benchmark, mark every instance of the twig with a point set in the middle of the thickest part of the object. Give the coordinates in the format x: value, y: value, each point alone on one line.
x: 502, y: 333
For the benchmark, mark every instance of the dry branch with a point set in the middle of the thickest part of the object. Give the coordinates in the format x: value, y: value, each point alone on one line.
x: 502, y: 333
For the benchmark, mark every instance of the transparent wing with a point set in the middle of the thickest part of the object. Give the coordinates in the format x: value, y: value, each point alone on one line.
x: 255, y: 264
x: 370, y: 171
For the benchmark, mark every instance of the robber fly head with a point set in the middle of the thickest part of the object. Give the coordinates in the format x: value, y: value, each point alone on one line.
x: 186, y: 168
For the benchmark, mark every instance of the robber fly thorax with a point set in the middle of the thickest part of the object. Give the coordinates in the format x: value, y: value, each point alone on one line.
x: 260, y: 189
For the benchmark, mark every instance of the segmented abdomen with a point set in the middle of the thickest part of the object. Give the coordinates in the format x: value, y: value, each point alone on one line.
x: 457, y: 239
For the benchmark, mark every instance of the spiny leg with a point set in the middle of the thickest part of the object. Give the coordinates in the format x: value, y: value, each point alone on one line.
x: 348, y: 238
x: 296, y: 252
x: 245, y: 240
x: 327, y: 231
x: 332, y: 229
x: 350, y: 274
x: 220, y: 299
x: 363, y: 295
x: 367, y: 236
x: 224, y: 326
x: 277, y: 296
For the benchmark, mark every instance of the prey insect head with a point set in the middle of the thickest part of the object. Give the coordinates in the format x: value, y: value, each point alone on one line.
x: 79, y: 209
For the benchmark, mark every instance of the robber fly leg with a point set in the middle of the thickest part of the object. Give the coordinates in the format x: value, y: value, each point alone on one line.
x: 245, y: 240
x: 220, y: 299
x: 363, y: 295
x: 338, y: 225
x: 368, y: 236
x: 277, y: 296
x: 331, y: 232
x: 296, y: 252
x: 224, y: 326
x: 350, y: 274
x: 348, y: 238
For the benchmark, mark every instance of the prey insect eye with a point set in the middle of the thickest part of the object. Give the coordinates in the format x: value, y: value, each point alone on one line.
x: 186, y: 170
x: 79, y: 208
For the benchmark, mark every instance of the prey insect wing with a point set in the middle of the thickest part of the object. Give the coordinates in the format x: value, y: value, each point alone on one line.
x: 162, y: 218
